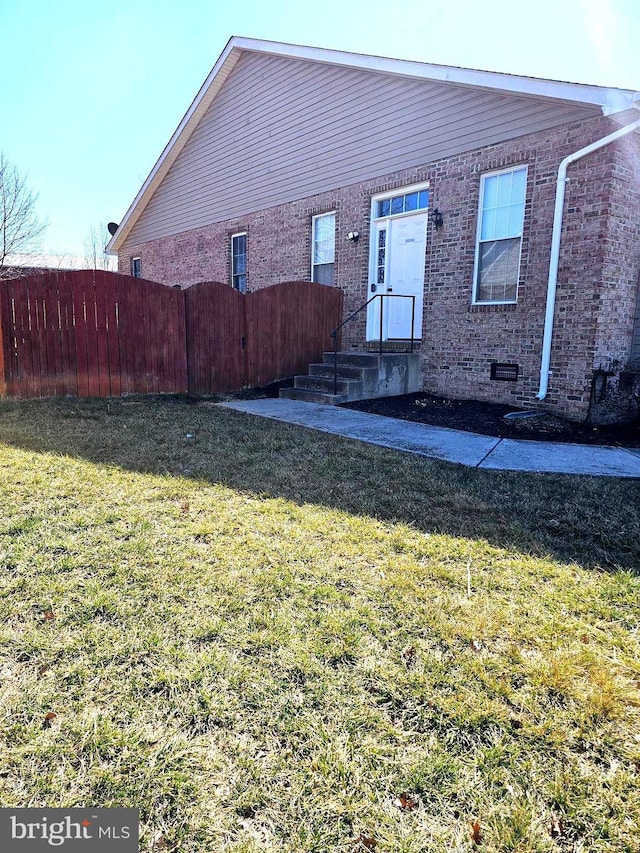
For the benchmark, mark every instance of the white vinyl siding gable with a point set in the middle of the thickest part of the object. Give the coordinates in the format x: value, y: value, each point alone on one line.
x: 282, y: 129
x: 499, y: 236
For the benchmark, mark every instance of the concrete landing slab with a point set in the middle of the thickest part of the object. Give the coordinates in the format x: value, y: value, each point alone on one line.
x: 450, y: 445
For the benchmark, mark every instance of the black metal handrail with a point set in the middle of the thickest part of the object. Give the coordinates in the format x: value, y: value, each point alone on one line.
x: 381, y: 297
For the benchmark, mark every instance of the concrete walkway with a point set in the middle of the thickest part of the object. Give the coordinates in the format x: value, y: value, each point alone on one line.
x: 450, y: 445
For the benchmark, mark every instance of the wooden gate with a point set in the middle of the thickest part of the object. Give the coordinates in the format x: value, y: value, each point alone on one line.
x: 248, y: 340
x: 216, y: 352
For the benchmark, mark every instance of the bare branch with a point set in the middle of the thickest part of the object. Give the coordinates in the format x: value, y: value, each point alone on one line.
x: 94, y: 253
x: 20, y: 228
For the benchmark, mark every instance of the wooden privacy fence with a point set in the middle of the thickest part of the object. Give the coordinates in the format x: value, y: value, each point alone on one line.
x: 92, y: 333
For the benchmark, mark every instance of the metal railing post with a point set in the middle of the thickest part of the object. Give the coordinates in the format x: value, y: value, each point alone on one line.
x: 382, y: 297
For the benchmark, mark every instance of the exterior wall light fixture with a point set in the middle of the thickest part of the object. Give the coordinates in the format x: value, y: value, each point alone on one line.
x: 352, y: 236
x: 438, y: 218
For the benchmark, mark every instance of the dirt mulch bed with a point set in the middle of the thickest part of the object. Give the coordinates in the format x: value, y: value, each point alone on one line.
x: 488, y: 419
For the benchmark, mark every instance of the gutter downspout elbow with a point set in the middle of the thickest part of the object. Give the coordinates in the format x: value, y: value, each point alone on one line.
x: 552, y: 282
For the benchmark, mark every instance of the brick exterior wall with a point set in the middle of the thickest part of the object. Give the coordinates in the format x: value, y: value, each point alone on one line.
x: 617, y: 292
x: 597, y: 280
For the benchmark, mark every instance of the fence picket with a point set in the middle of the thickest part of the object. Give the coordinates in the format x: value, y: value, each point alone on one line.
x: 4, y: 339
x: 101, y: 334
x: 111, y: 330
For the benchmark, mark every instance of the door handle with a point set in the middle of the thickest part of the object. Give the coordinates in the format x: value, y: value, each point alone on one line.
x: 373, y: 288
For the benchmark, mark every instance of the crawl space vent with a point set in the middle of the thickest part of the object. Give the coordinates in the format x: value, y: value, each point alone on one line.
x: 504, y: 372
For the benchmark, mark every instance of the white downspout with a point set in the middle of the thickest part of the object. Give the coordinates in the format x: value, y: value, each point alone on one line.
x: 555, y: 245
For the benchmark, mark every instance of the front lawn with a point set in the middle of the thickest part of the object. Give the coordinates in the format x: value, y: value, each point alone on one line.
x: 264, y: 638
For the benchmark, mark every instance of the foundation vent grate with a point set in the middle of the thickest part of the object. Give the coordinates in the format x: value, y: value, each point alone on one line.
x: 504, y: 372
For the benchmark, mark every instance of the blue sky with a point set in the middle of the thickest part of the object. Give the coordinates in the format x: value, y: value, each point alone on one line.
x: 91, y: 92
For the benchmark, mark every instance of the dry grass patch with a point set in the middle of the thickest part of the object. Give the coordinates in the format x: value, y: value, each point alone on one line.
x: 262, y: 638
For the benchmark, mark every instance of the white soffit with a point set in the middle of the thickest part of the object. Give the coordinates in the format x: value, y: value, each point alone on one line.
x: 610, y: 101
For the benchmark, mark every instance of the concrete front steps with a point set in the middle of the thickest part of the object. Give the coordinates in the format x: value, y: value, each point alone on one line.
x: 361, y: 376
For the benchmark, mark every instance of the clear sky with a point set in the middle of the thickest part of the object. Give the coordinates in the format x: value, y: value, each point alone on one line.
x: 90, y: 92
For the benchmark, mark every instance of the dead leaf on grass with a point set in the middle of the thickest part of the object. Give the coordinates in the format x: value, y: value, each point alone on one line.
x: 366, y: 842
x: 405, y: 802
x: 476, y: 833
x: 49, y: 717
x: 48, y: 615
x: 477, y: 645
x: 556, y: 830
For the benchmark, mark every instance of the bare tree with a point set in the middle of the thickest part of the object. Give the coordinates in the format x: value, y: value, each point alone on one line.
x: 20, y: 227
x: 94, y: 254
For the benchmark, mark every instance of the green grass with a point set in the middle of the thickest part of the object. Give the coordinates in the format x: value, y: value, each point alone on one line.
x: 261, y: 636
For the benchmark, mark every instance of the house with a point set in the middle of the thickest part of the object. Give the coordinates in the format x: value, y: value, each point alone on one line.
x: 507, y: 206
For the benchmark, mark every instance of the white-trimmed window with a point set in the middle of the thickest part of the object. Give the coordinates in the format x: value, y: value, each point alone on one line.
x: 323, y: 248
x: 406, y: 202
x: 499, y: 237
x: 239, y: 261
x: 136, y: 267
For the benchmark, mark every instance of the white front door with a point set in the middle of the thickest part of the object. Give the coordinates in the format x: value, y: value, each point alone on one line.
x: 397, y: 267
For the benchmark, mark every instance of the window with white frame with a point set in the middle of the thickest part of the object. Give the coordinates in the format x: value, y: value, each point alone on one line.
x: 323, y: 248
x: 239, y: 261
x: 402, y: 203
x: 136, y: 267
x: 499, y: 238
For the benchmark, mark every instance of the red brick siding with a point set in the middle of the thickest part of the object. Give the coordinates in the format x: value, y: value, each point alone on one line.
x: 596, y: 285
x: 621, y: 259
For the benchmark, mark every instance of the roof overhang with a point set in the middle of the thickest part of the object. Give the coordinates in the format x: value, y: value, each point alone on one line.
x: 609, y: 101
